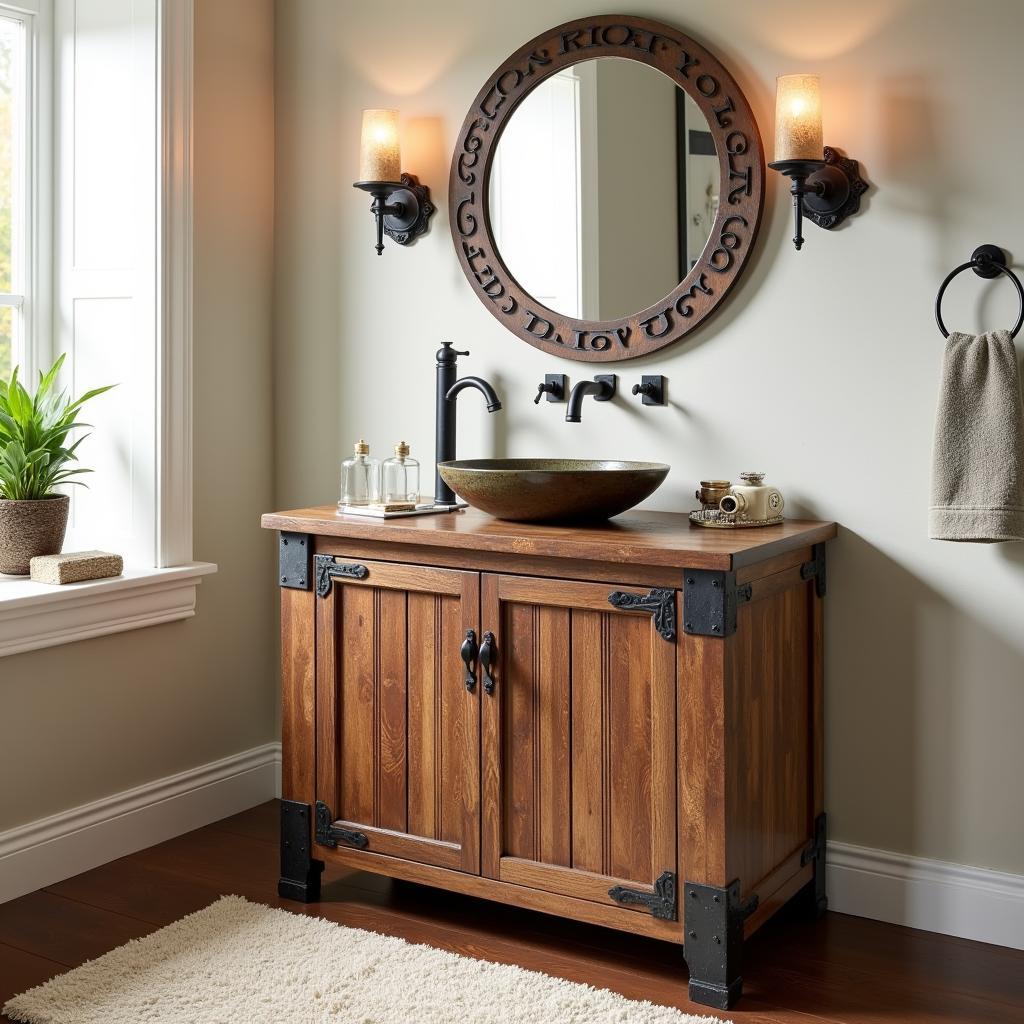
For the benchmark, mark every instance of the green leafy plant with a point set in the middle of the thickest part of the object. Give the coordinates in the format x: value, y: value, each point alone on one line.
x: 34, y: 429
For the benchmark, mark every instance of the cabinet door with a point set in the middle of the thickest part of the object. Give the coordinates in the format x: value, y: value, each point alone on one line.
x: 398, y: 731
x: 579, y: 741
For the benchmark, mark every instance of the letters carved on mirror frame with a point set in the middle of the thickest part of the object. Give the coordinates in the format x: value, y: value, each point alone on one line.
x: 741, y: 158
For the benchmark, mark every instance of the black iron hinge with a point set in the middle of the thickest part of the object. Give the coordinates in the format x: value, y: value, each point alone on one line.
x: 327, y: 569
x: 661, y: 902
x: 329, y: 834
x: 816, y: 568
x: 661, y: 603
x: 293, y: 553
x: 710, y: 601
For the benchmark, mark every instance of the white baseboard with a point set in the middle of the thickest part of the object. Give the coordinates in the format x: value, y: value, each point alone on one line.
x: 48, y: 850
x: 954, y: 899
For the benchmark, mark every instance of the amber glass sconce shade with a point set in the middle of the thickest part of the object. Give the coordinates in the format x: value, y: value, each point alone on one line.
x: 826, y: 186
x: 401, y: 205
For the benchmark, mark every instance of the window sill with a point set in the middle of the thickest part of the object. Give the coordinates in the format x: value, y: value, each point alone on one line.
x: 35, y: 615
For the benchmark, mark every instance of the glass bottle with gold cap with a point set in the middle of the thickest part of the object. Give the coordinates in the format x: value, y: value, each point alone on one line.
x: 360, y: 477
x: 401, y: 477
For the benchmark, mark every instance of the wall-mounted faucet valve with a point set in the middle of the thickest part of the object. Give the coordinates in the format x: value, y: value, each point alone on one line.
x: 554, y: 387
x: 652, y: 388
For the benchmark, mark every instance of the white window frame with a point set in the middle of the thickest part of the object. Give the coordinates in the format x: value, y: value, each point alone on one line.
x: 34, y: 615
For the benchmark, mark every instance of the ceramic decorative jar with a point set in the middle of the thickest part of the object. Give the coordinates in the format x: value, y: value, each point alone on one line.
x: 753, y: 501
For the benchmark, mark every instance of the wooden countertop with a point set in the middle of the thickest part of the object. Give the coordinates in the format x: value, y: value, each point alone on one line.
x: 643, y: 538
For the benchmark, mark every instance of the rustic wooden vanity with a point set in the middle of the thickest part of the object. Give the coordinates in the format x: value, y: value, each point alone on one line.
x: 620, y: 724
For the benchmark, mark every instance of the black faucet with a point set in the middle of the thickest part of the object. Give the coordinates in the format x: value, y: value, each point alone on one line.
x: 448, y: 389
x: 602, y: 387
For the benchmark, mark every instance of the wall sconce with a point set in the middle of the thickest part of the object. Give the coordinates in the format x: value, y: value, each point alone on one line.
x: 401, y: 205
x: 826, y: 186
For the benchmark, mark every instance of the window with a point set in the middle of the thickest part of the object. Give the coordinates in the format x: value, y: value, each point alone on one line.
x: 12, y: 186
x: 21, y: 110
x: 95, y: 263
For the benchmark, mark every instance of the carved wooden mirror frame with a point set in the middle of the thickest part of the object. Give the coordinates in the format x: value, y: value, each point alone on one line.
x: 741, y: 160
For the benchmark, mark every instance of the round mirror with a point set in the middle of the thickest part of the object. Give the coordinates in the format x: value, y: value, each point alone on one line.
x: 613, y: 130
x: 606, y: 188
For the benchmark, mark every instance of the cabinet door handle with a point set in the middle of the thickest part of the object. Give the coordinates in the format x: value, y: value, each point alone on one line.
x: 488, y: 656
x: 468, y: 650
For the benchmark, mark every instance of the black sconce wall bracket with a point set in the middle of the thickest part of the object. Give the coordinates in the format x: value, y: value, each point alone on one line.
x: 402, y: 209
x: 825, y: 191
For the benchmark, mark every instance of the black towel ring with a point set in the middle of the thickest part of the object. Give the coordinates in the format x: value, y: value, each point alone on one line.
x: 986, y: 261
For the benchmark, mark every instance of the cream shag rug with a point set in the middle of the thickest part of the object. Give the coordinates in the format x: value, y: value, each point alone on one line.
x: 242, y: 962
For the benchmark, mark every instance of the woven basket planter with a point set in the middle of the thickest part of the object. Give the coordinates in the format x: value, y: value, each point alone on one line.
x: 30, y: 528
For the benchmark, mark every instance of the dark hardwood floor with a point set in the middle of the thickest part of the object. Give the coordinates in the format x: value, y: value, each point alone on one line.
x: 797, y: 971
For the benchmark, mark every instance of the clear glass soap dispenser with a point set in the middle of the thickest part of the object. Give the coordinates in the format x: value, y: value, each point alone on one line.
x: 360, y: 477
x: 401, y: 476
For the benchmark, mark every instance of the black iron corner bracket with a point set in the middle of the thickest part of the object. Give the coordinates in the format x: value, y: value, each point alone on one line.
x: 815, y: 569
x: 327, y: 569
x: 293, y: 551
x: 661, y: 603
x: 661, y: 902
x: 816, y: 851
x: 329, y: 834
x: 713, y: 919
x: 300, y: 873
x: 710, y: 601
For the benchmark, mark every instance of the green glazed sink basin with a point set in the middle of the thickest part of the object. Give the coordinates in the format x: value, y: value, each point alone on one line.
x: 552, y: 490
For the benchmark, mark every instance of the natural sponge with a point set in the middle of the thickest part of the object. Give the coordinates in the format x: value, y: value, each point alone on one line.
x: 75, y: 567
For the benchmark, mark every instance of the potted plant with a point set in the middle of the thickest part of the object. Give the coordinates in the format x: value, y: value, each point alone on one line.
x: 34, y: 461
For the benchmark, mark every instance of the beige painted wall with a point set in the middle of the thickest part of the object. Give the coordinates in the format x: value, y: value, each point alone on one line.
x: 822, y: 371
x: 82, y: 721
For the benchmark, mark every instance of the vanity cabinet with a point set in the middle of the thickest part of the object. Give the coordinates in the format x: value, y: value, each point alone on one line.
x: 620, y: 724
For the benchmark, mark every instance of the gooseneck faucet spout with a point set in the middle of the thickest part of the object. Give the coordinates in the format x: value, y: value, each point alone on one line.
x: 493, y: 402
x: 448, y: 390
x: 602, y: 387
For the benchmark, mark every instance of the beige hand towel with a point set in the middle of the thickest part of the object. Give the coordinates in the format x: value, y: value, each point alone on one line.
x: 978, y: 455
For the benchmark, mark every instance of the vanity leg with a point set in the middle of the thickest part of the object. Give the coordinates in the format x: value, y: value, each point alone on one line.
x: 300, y: 873
x: 713, y: 943
x: 815, y: 895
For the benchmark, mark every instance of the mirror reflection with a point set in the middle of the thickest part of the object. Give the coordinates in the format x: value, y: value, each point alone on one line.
x: 603, y: 189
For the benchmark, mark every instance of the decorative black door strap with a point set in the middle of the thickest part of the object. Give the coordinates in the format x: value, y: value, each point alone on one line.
x: 468, y: 650
x: 710, y: 601
x: 329, y: 834
x: 327, y: 569
x: 815, y: 569
x: 293, y: 552
x: 661, y: 902
x: 661, y: 603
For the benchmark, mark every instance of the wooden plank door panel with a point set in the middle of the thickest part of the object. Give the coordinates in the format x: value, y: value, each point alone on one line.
x: 579, y: 741
x: 398, y: 743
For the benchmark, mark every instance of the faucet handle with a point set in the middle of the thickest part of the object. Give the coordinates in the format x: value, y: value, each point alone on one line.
x: 446, y: 355
x: 554, y: 387
x: 651, y: 388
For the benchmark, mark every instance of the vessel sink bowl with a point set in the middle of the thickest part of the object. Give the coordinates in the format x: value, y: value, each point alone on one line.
x: 552, y: 490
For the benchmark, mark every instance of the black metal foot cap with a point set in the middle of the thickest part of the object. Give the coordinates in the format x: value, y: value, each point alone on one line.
x: 305, y: 892
x: 721, y: 997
